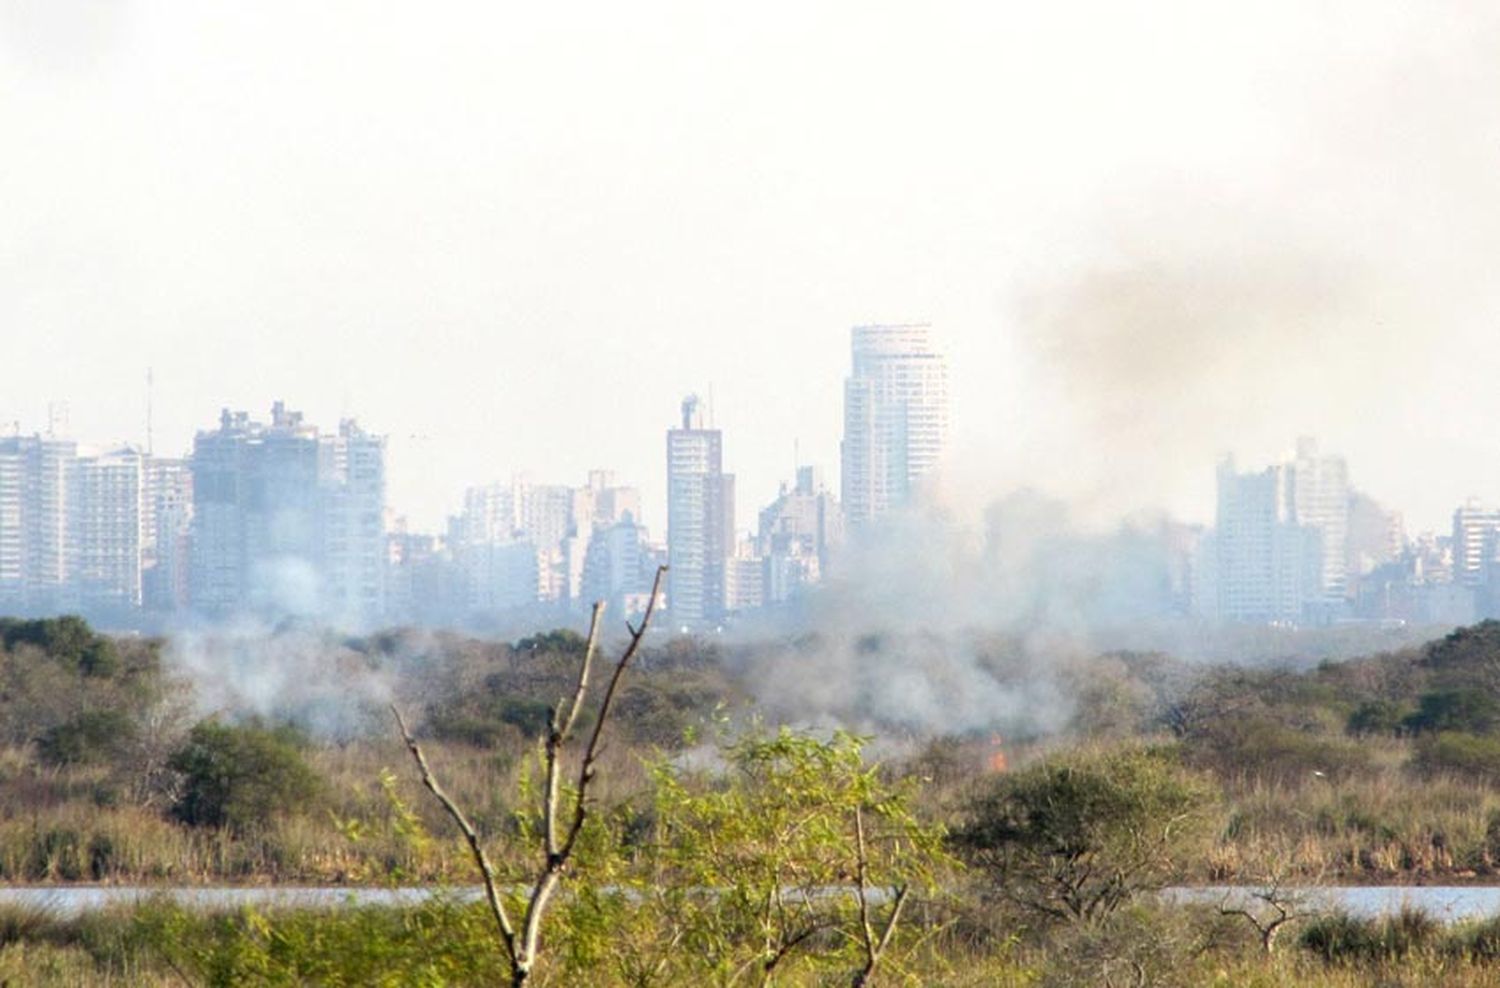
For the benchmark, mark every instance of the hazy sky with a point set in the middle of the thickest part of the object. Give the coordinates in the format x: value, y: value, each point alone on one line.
x: 511, y: 236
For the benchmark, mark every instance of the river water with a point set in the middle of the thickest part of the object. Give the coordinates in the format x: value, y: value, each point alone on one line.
x: 1441, y: 902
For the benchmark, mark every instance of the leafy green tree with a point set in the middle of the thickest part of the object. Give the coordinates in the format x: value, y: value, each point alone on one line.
x: 1076, y: 836
x: 800, y: 856
x: 241, y: 776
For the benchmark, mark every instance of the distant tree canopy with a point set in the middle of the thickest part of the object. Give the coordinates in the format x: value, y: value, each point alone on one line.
x: 80, y: 697
x: 559, y: 641
x: 1469, y: 710
x: 1466, y: 648
x: 68, y: 640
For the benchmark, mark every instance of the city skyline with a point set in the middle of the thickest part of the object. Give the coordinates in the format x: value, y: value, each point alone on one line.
x: 653, y: 509
x: 277, y: 518
x: 455, y: 235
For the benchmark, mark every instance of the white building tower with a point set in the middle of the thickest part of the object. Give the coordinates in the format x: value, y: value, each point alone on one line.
x: 895, y: 418
x: 700, y: 521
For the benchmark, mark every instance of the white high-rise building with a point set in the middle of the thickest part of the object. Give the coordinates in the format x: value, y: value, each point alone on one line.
x: 167, y: 510
x: 617, y: 565
x: 1320, y: 499
x: 351, y: 523
x: 700, y: 521
x: 798, y: 532
x: 12, y: 526
x: 1268, y: 566
x: 36, y: 557
x: 287, y: 520
x: 1476, y: 543
x: 105, y: 498
x: 895, y: 418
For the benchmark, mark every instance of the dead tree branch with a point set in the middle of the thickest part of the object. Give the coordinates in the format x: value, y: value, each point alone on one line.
x: 471, y: 836
x: 874, y: 946
x: 522, y: 947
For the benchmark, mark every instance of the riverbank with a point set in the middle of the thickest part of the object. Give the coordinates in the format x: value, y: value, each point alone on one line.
x: 440, y: 940
x: 1445, y: 903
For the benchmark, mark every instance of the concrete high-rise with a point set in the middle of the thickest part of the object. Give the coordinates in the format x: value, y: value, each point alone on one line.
x: 616, y: 567
x: 1268, y: 566
x: 700, y: 521
x: 287, y: 520
x: 1320, y: 499
x: 351, y: 522
x: 36, y: 558
x: 105, y: 498
x: 1476, y: 543
x: 167, y: 510
x: 895, y: 418
x: 798, y: 533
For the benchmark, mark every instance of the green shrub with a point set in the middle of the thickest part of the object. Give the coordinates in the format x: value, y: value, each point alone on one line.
x: 1340, y: 938
x: 1076, y: 836
x: 68, y: 640
x: 1469, y: 710
x: 485, y: 720
x: 1377, y: 717
x: 1462, y: 754
x: 89, y: 738
x: 241, y: 776
x: 1272, y: 751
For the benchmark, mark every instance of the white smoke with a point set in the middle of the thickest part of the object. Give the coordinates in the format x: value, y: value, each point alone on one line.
x: 310, y: 678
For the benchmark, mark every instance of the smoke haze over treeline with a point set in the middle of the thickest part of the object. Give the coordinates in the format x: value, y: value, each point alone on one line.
x: 511, y: 239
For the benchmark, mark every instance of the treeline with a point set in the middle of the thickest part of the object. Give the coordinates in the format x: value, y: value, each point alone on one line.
x: 723, y: 849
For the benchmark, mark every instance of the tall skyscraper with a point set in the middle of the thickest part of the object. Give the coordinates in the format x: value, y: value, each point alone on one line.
x: 105, y: 498
x: 895, y: 418
x: 700, y: 521
x: 1268, y: 565
x: 12, y: 527
x: 1320, y: 499
x: 616, y: 566
x: 167, y: 510
x: 798, y: 532
x: 286, y: 519
x: 36, y: 561
x: 351, y: 522
x: 1476, y: 543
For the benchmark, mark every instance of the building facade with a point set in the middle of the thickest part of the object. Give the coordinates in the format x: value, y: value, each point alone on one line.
x: 895, y: 418
x: 700, y: 521
x: 287, y: 520
x: 1320, y: 499
x: 1268, y: 566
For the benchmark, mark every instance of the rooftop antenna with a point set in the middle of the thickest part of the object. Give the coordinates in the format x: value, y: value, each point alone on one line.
x: 150, y: 382
x: 711, y: 423
x: 57, y: 414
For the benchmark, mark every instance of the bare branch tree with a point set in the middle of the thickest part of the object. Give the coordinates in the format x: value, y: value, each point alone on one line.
x: 1276, y: 902
x: 874, y: 946
x: 522, y: 946
x: 1279, y: 905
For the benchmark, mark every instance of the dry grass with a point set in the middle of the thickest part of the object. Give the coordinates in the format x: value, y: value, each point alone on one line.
x: 1387, y: 825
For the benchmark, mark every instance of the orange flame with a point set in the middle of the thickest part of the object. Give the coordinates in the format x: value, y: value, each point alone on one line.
x: 996, y: 762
